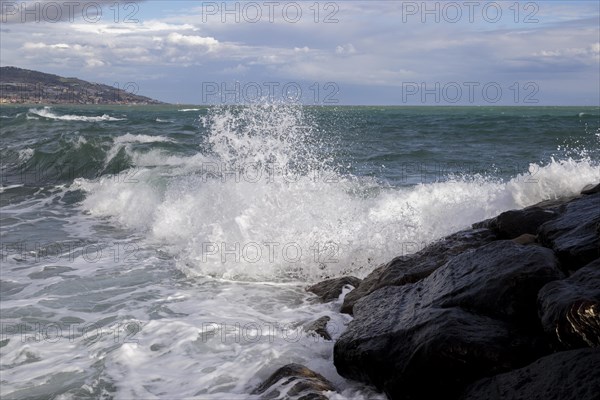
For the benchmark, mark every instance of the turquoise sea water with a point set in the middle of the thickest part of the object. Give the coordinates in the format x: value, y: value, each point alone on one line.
x: 163, y: 251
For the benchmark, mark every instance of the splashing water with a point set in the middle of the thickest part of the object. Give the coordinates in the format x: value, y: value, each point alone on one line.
x: 292, y: 188
x: 265, y: 201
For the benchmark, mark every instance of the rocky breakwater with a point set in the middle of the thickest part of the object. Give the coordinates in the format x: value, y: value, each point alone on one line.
x: 501, y: 310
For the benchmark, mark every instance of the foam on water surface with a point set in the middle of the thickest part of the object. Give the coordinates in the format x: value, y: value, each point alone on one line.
x: 47, y: 112
x: 152, y: 271
x: 263, y: 201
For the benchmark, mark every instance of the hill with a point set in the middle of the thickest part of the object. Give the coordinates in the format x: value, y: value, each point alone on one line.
x: 23, y: 86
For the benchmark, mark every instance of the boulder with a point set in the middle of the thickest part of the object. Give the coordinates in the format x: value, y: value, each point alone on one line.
x: 469, y: 319
x: 514, y: 223
x: 568, y: 375
x: 501, y: 280
x: 414, y: 267
x: 558, y: 204
x: 331, y: 289
x: 294, y: 381
x: 591, y: 189
x: 575, y: 234
x: 366, y: 286
x: 319, y: 327
x: 525, y: 239
x: 451, y: 347
x: 570, y: 308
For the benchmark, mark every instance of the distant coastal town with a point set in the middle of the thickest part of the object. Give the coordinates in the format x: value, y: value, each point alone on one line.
x: 22, y: 86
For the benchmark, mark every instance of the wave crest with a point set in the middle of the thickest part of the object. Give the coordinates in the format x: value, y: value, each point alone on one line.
x: 310, y: 221
x: 47, y: 112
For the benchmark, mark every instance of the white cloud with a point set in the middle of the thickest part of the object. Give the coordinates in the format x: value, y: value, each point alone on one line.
x: 142, y: 28
x: 177, y: 38
x: 345, y: 49
x: 94, y: 63
x: 237, y: 70
x: 370, y: 46
x: 38, y: 46
x: 591, y: 52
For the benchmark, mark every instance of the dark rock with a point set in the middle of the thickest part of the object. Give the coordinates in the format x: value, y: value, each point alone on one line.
x: 557, y: 205
x: 575, y: 234
x: 485, y: 224
x: 453, y: 327
x: 403, y: 355
x: 591, y: 189
x: 365, y: 287
x: 570, y: 308
x: 501, y: 279
x: 514, y: 223
x: 568, y: 375
x: 412, y: 268
x: 331, y: 289
x: 525, y: 239
x: 319, y: 327
x: 309, y: 384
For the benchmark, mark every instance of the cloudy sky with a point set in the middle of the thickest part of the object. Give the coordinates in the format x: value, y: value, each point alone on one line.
x: 329, y: 52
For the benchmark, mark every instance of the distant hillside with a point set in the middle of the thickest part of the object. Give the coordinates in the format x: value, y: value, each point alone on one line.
x: 22, y: 86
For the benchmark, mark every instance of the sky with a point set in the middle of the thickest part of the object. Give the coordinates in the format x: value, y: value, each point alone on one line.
x: 316, y: 52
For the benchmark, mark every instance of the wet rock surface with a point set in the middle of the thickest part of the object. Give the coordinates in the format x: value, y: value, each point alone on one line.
x: 501, y: 280
x: 526, y: 239
x: 331, y: 289
x: 569, y: 375
x: 412, y: 268
x: 366, y: 286
x: 575, y: 234
x: 514, y: 223
x: 319, y: 327
x: 591, y: 189
x: 570, y: 309
x: 453, y: 327
x: 294, y: 381
x: 481, y: 314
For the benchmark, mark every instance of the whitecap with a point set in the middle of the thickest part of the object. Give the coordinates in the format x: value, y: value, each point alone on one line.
x: 47, y: 112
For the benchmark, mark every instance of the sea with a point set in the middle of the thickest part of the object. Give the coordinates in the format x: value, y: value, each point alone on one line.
x: 162, y: 252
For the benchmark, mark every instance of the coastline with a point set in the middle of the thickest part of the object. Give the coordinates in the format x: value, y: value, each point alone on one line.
x: 418, y: 199
x: 507, y: 309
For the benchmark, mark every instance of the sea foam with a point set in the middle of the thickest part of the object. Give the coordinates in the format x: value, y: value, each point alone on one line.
x: 262, y: 200
x: 47, y: 112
